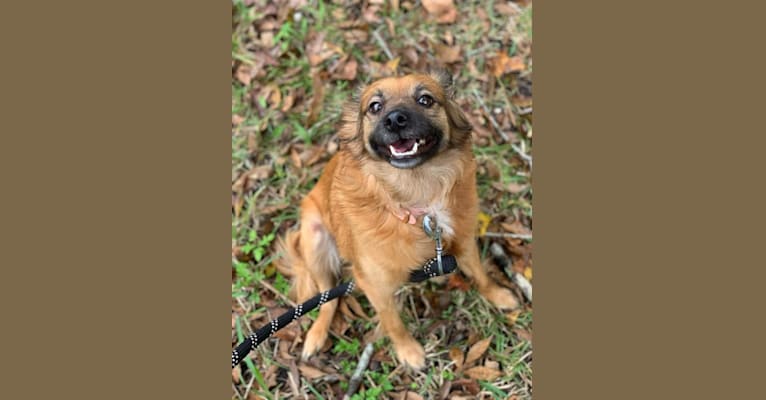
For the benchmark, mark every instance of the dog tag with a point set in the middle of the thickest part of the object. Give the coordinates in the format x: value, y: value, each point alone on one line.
x: 432, y: 229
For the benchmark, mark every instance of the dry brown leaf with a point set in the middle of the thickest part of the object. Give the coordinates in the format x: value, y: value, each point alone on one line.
x: 502, y: 64
x: 456, y: 282
x: 512, y: 317
x: 236, y: 375
x: 516, y: 227
x: 318, y: 50
x: 347, y: 72
x: 272, y: 94
x: 477, y: 350
x: 371, y: 14
x: 311, y: 372
x: 236, y: 119
x: 506, y: 9
x: 443, y: 10
x: 467, y: 385
x: 411, y: 55
x: 288, y: 102
x: 483, y: 373
x: 244, y: 73
x: 296, y: 158
x: 457, y: 356
x: 393, y: 65
x: 523, y: 334
x: 406, y: 395
x: 317, y: 100
x: 447, y: 54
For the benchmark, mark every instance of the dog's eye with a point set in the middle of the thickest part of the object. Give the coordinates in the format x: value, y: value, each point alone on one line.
x: 425, y: 100
x: 375, y: 107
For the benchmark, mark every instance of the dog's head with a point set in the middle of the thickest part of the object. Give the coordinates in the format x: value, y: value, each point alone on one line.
x: 405, y: 121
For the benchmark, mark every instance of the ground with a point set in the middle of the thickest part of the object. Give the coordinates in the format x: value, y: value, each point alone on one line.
x: 294, y: 63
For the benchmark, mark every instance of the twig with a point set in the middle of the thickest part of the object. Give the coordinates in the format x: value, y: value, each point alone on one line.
x: 234, y: 386
x: 382, y: 44
x: 508, y: 235
x: 523, y: 155
x: 278, y: 293
x: 249, y: 387
x: 356, y: 379
x: 489, y: 115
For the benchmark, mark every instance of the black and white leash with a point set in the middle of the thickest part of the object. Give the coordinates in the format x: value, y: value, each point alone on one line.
x: 439, y: 265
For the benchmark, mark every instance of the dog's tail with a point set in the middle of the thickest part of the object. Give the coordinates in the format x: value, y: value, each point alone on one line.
x: 292, y: 264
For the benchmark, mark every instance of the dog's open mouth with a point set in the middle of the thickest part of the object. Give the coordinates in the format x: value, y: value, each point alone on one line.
x: 407, y: 148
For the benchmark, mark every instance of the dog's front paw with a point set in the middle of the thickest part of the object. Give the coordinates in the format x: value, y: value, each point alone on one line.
x: 411, y: 353
x: 502, y: 298
x: 315, y: 339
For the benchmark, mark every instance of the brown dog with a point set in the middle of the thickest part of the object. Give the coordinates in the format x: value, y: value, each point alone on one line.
x: 405, y: 152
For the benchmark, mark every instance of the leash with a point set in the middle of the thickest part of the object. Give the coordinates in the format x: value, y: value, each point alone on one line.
x: 440, y: 265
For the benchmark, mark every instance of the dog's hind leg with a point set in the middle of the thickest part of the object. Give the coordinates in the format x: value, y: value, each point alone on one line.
x: 469, y: 262
x: 322, y: 270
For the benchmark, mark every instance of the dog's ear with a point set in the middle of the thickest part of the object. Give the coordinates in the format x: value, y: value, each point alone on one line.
x: 350, y: 133
x: 461, y: 128
x: 444, y: 78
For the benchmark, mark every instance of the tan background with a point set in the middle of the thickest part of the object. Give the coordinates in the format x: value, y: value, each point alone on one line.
x: 648, y: 200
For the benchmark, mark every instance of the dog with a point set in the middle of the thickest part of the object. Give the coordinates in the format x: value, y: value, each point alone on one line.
x: 405, y: 152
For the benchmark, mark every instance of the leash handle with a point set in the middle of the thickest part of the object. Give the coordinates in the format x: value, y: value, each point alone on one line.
x: 448, y: 264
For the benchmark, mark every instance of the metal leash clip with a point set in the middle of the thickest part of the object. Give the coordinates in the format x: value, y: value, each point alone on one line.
x: 432, y: 229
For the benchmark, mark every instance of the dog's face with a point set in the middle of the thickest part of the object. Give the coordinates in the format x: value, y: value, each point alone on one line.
x: 407, y: 120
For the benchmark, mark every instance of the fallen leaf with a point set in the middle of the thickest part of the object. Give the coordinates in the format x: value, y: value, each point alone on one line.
x: 236, y: 119
x: 318, y: 50
x: 457, y: 356
x: 513, y: 316
x: 288, y: 102
x: 443, y: 10
x: 311, y: 372
x: 528, y: 273
x: 406, y: 395
x: 484, y: 221
x: 456, y: 282
x: 516, y: 227
x: 468, y: 385
x: 348, y: 70
x: 370, y: 14
x: 447, y: 54
x: 483, y: 373
x: 236, y: 375
x: 244, y: 73
x: 317, y: 100
x: 393, y: 65
x: 477, y: 350
x: 508, y: 9
x: 523, y: 334
x: 503, y: 64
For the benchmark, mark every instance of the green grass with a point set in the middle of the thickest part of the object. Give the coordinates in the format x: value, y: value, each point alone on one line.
x: 269, y: 136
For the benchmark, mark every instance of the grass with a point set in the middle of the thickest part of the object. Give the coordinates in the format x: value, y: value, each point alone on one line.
x: 288, y: 88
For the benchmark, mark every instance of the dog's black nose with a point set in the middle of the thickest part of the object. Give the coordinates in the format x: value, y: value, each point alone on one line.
x: 396, y: 121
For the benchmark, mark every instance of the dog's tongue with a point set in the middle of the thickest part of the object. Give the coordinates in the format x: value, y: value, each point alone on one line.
x: 403, y: 145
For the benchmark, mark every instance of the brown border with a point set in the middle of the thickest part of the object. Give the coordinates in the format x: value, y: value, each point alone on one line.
x: 643, y: 183
x: 117, y: 188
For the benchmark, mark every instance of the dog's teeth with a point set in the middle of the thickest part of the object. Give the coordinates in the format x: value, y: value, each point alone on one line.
x: 422, y: 141
x: 410, y: 152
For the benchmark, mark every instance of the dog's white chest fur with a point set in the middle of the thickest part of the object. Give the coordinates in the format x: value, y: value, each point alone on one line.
x: 443, y: 218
